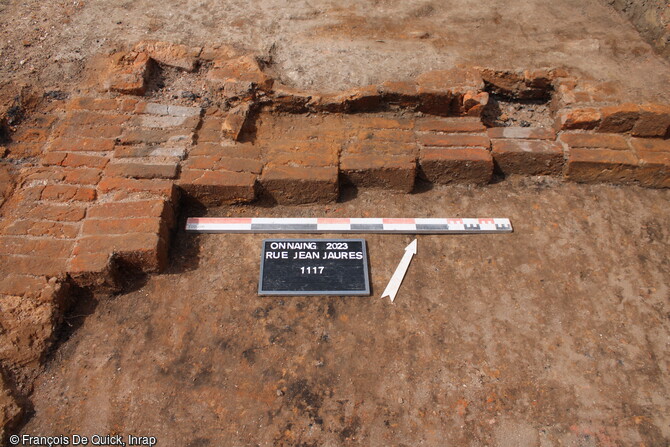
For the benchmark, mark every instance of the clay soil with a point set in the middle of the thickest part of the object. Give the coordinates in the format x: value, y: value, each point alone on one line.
x: 554, y: 335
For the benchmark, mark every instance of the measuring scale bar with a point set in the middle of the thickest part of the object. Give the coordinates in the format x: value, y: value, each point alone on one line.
x: 347, y: 225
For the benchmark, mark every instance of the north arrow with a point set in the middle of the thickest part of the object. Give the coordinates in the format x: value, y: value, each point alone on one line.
x: 394, y: 284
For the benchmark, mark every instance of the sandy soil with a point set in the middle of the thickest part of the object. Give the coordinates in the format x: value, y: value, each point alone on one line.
x: 330, y: 45
x: 554, y: 335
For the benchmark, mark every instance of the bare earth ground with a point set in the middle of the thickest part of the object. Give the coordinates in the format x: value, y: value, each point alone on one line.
x: 331, y: 45
x: 554, y: 335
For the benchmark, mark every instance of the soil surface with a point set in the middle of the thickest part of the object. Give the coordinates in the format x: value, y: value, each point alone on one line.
x: 331, y: 45
x: 556, y: 334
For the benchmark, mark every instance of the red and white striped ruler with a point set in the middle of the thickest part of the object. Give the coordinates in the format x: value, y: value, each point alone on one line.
x: 347, y: 225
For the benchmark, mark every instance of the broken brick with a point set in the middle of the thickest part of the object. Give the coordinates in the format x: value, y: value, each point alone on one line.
x: 654, y: 121
x: 586, y: 118
x: 619, y: 119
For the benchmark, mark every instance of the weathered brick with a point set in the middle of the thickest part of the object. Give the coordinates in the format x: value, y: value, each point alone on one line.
x: 235, y: 120
x: 601, y: 165
x: 402, y: 136
x: 654, y: 121
x: 530, y: 133
x: 35, y: 265
x: 440, y: 92
x: 239, y: 77
x: 173, y: 55
x: 287, y: 99
x: 380, y: 122
x: 473, y: 103
x: 82, y: 176
x: 595, y: 140
x: 127, y: 186
x: 95, y: 271
x: 471, y: 165
x: 178, y: 151
x: 296, y: 185
x: 454, y: 140
x: 61, y: 213
x: 46, y: 247
x: 75, y: 160
x: 650, y: 144
x: 382, y: 147
x: 363, y: 99
x: 95, y: 104
x: 31, y: 135
x: 78, y: 119
x: 153, y: 108
x: 33, y: 227
x: 245, y: 150
x: 379, y: 171
x: 450, y: 125
x: 82, y: 144
x: 63, y: 193
x: 619, y: 119
x: 123, y: 226
x: 322, y: 159
x: 125, y: 210
x: 401, y: 93
x: 583, y: 118
x: 156, y: 136
x: 654, y: 169
x: 212, y: 188
x: 530, y: 157
x: 22, y: 285
x: 89, y: 131
x: 164, y: 121
x: 141, y: 169
x: 147, y: 252
x: 226, y: 164
x: 129, y: 73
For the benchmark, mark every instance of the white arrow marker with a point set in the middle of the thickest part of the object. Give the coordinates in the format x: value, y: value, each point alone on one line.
x: 394, y: 284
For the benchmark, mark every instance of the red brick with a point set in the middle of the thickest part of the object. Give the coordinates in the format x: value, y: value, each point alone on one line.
x: 88, y: 103
x: 123, y: 226
x: 382, y: 147
x: 82, y: 144
x: 402, y: 93
x: 619, y: 119
x: 654, y: 121
x: 61, y: 213
x: 402, y: 136
x: 93, y: 119
x: 63, y: 193
x: 472, y: 165
x: 233, y: 150
x: 82, y: 176
x: 450, y: 125
x: 595, y: 140
x: 379, y: 171
x: 654, y: 170
x: 141, y: 170
x: 32, y: 227
x: 454, y: 140
x: 296, y: 185
x: 474, y: 103
x: 439, y: 91
x: 357, y: 100
x: 89, y: 131
x: 530, y: 133
x: 583, y: 118
x: 49, y: 174
x: 35, y: 265
x: 163, y: 188
x: 234, y: 123
x: 31, y: 135
x: 650, y: 144
x: 213, y: 188
x: 144, y: 251
x: 45, y: 247
x: 129, y: 73
x: 601, y: 165
x: 74, y: 160
x: 97, y: 272
x: 173, y: 55
x: 287, y: 99
x: 302, y: 159
x: 22, y: 285
x: 377, y: 122
x: 530, y: 157
x: 242, y: 73
x: 128, y: 104
x: 125, y: 210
